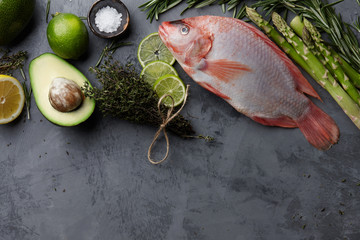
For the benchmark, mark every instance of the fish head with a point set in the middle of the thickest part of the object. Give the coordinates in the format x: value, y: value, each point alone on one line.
x: 188, y: 40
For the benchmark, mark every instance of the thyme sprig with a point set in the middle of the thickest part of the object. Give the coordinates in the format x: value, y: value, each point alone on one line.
x: 124, y: 94
x: 48, y: 10
x: 27, y: 92
x: 10, y: 62
x: 112, y: 47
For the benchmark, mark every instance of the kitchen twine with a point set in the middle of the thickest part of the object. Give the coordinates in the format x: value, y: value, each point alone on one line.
x: 165, y: 122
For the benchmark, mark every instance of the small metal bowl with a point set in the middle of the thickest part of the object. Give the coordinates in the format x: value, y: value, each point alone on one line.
x: 120, y: 8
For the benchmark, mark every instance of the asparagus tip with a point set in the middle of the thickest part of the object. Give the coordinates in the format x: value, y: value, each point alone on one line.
x: 278, y: 21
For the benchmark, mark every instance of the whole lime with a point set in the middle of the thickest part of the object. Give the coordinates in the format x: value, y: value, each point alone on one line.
x: 14, y: 16
x: 67, y: 36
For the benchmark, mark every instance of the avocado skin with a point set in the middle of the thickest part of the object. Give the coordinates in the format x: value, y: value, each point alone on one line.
x: 15, y: 15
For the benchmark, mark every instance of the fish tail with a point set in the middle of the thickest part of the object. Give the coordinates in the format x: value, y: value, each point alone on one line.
x: 318, y: 128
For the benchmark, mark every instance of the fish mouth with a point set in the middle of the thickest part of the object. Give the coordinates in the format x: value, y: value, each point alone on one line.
x: 162, y: 32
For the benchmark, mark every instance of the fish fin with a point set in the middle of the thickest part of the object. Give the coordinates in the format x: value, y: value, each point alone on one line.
x: 210, y: 88
x: 302, y: 83
x: 304, y: 86
x: 197, y: 50
x: 223, y: 69
x: 284, y: 121
x: 318, y: 128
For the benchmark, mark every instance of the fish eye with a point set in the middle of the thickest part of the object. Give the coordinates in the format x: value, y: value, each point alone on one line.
x: 184, y: 30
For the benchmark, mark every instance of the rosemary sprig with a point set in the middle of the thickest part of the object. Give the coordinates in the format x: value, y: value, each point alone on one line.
x: 124, y: 94
x: 9, y: 63
x: 233, y: 4
x: 241, y: 13
x: 356, y: 24
x: 47, y: 10
x: 22, y: 73
x: 156, y: 7
x: 324, y: 17
x: 27, y: 92
x: 111, y: 48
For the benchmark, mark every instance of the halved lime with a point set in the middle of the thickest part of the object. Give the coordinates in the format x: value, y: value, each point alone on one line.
x: 172, y: 85
x: 156, y: 69
x: 151, y: 48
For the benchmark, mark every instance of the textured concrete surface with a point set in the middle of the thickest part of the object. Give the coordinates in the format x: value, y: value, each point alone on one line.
x: 93, y: 181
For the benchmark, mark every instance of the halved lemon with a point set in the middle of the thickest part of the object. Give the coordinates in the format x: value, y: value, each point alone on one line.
x: 12, y: 99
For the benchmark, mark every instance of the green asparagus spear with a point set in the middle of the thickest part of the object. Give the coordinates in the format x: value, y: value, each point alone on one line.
x: 297, y: 25
x: 324, y: 78
x: 333, y: 63
x: 309, y: 42
x: 350, y: 71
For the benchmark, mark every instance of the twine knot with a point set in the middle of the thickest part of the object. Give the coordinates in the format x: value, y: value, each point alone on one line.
x: 165, y: 122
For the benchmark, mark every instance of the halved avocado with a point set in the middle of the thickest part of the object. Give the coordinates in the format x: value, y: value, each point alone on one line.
x: 42, y: 71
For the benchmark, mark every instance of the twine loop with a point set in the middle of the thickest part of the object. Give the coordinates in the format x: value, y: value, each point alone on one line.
x: 165, y: 121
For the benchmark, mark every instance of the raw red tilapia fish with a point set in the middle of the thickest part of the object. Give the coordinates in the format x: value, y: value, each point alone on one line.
x: 239, y: 63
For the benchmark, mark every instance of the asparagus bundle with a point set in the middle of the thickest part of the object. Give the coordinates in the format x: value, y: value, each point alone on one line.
x: 300, y: 53
x: 300, y: 26
x: 331, y: 61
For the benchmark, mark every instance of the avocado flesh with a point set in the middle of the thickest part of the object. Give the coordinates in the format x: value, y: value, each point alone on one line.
x: 42, y: 71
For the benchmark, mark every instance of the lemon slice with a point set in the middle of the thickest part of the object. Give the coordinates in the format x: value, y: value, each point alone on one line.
x: 12, y: 99
x: 156, y: 69
x: 172, y: 85
x: 151, y: 48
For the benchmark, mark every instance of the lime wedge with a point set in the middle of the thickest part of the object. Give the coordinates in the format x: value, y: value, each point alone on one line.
x: 156, y: 69
x: 172, y: 85
x: 151, y: 48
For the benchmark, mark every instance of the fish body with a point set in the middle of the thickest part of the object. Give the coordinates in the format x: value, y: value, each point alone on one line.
x: 243, y: 66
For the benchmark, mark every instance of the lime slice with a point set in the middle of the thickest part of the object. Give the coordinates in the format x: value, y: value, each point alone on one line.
x: 156, y: 69
x: 151, y: 48
x: 172, y: 85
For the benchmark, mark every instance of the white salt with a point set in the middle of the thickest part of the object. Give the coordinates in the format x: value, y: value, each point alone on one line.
x: 108, y: 20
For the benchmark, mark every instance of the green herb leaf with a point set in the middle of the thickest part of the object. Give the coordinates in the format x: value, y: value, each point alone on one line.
x: 9, y: 63
x: 124, y: 94
x: 111, y: 48
x: 324, y: 18
x: 47, y: 10
x: 27, y: 93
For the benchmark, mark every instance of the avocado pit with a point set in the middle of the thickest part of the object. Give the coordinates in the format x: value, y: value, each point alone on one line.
x: 65, y: 95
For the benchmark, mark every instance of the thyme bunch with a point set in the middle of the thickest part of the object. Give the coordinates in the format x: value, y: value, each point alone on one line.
x: 124, y: 94
x: 10, y: 62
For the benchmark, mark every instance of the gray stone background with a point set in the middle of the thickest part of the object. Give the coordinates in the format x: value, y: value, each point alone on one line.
x: 93, y: 181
